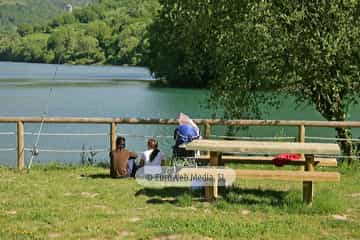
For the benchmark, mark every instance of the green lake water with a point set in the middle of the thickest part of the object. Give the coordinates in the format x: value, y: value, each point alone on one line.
x: 103, y: 91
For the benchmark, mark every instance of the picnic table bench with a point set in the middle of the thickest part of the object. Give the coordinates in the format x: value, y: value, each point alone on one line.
x: 260, y: 159
x: 218, y: 147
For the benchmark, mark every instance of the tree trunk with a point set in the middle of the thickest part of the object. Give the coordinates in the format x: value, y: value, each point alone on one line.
x: 343, y: 133
x: 346, y: 145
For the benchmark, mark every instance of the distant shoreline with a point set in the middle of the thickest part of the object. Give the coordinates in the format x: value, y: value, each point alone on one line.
x: 46, y: 71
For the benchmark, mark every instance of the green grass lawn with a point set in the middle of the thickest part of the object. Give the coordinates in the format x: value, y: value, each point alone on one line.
x: 63, y: 202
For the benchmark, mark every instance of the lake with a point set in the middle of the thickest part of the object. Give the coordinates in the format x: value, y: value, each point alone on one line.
x: 109, y: 91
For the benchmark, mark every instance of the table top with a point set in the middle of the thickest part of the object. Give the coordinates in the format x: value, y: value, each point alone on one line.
x: 264, y: 147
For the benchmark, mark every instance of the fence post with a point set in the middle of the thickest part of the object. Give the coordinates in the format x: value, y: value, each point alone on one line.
x: 20, y: 147
x: 301, y: 137
x: 207, y: 130
x: 308, y: 189
x: 309, y: 161
x: 207, y: 133
x: 113, y: 136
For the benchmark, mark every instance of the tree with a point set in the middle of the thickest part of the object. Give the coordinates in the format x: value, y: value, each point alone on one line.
x: 62, y: 42
x: 113, y: 32
x: 87, y: 50
x: 73, y: 46
x: 7, y: 45
x: 128, y: 43
x: 101, y: 31
x: 252, y: 51
x: 306, y: 49
x: 66, y: 18
x: 180, y: 43
x: 24, y: 29
x: 87, y: 14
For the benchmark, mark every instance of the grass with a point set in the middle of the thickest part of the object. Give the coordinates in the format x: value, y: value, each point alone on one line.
x: 73, y: 202
x: 12, y: 2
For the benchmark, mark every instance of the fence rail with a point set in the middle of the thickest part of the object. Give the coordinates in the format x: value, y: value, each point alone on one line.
x: 345, y: 124
x: 206, y: 123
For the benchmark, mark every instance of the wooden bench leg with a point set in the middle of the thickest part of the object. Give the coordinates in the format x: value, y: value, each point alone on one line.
x: 211, y: 188
x: 307, y: 192
x: 308, y: 185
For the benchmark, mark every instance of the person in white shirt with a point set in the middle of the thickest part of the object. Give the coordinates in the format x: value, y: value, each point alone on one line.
x: 152, y: 156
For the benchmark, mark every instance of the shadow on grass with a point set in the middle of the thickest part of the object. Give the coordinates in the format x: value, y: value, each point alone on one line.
x: 162, y: 192
x: 161, y: 201
x: 232, y: 196
x: 103, y: 175
x: 163, y: 195
x: 173, y: 195
x: 325, y: 202
x: 243, y: 196
x: 96, y: 176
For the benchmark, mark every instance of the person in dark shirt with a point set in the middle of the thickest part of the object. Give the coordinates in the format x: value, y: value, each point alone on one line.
x: 121, y: 160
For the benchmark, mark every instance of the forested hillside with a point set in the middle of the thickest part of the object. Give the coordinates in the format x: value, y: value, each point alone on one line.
x: 108, y: 31
x: 15, y: 12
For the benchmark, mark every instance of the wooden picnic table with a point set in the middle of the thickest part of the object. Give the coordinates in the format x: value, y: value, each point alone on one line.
x: 218, y: 147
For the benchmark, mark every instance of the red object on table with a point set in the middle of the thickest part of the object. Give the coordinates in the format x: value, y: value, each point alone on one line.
x: 284, y: 158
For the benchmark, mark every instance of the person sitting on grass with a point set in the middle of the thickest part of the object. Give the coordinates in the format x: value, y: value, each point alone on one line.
x: 122, y: 162
x: 152, y: 156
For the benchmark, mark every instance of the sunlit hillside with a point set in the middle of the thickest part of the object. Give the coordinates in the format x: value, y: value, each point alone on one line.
x: 14, y: 12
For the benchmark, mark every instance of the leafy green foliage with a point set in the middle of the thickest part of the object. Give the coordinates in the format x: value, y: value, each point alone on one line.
x: 309, y: 50
x: 33, y: 48
x: 63, y: 19
x: 252, y: 51
x: 24, y: 29
x: 108, y: 31
x: 74, y: 47
x: 16, y: 12
x: 181, y: 44
x: 252, y: 48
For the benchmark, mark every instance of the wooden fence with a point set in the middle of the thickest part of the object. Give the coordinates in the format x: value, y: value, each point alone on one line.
x: 207, y: 123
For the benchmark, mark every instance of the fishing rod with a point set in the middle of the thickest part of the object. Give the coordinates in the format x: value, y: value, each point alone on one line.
x: 35, y: 150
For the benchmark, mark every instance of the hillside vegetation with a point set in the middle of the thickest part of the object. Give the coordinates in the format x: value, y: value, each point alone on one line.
x: 108, y: 31
x: 15, y: 12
